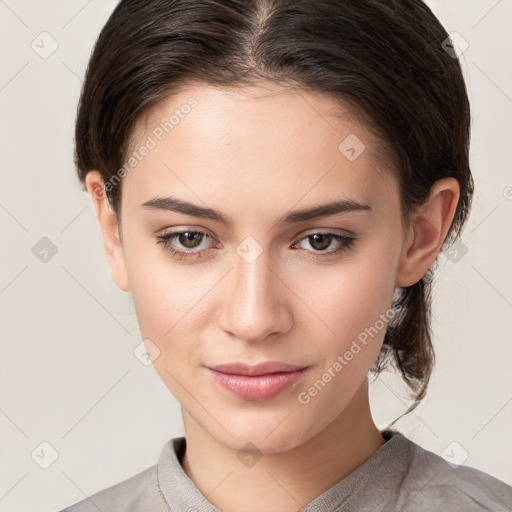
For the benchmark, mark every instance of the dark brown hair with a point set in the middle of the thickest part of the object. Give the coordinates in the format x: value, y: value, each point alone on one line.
x: 384, y: 59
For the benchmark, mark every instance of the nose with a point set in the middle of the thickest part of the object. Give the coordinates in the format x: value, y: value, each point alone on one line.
x: 256, y: 302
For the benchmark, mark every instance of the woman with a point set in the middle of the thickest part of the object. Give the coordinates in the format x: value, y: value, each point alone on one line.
x: 274, y: 181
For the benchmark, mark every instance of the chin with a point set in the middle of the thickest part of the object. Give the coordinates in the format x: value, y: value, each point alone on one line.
x: 276, y: 436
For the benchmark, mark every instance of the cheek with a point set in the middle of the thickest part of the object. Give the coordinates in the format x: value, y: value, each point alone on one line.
x: 171, y: 313
x: 355, y: 312
x: 173, y: 305
x: 164, y: 292
x: 345, y: 299
x: 353, y: 302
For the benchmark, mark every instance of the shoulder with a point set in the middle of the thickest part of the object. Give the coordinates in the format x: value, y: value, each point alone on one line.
x: 431, y: 483
x: 137, y: 493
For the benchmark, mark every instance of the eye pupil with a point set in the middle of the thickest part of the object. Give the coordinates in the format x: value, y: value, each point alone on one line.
x: 189, y: 236
x: 320, y: 236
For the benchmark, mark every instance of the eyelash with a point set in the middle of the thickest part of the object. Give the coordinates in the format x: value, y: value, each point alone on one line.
x: 166, y: 239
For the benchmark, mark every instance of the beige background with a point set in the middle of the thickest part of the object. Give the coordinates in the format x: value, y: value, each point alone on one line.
x: 68, y: 375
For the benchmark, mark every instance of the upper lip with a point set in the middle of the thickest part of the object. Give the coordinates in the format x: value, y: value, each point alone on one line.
x: 263, y: 368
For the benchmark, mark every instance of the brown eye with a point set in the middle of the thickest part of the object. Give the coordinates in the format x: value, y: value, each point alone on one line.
x: 322, y: 241
x: 178, y: 242
x: 189, y: 239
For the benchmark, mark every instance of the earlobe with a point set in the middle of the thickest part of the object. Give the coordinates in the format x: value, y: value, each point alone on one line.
x: 428, y: 230
x: 107, y: 220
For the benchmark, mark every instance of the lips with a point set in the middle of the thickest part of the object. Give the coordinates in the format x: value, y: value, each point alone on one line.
x: 258, y: 382
x: 263, y: 368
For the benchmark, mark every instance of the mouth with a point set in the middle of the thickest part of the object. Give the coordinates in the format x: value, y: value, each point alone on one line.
x: 260, y: 382
x: 256, y: 370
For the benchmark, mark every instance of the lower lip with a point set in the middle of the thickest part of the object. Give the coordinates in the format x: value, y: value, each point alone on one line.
x: 260, y: 387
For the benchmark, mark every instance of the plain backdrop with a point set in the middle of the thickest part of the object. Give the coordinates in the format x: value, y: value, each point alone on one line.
x: 68, y: 375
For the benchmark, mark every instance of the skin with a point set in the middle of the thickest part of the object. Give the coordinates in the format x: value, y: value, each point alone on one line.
x: 255, y: 154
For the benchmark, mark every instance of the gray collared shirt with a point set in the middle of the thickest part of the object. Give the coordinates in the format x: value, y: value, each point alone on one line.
x: 400, y: 476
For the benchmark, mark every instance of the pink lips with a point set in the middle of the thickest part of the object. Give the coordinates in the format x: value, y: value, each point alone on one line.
x: 258, y: 382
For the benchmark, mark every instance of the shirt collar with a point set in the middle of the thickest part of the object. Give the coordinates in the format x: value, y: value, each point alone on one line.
x: 181, y: 494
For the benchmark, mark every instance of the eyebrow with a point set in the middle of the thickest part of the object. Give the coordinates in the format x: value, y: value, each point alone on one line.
x: 336, y: 207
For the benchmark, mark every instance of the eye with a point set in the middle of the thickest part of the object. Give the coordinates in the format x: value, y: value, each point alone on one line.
x: 187, y: 244
x: 322, y: 240
x: 187, y: 239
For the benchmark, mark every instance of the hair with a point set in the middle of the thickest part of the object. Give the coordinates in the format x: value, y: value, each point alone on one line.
x: 382, y: 59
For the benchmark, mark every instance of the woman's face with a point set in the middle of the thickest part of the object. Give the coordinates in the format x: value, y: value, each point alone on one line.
x: 259, y: 287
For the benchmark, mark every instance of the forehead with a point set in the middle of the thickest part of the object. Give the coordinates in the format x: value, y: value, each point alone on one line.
x: 262, y: 138
x: 257, y: 111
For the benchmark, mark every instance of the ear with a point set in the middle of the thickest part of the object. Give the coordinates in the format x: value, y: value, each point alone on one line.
x: 109, y: 229
x: 429, y: 227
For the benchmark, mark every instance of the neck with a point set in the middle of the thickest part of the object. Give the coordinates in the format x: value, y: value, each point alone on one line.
x: 286, y: 481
